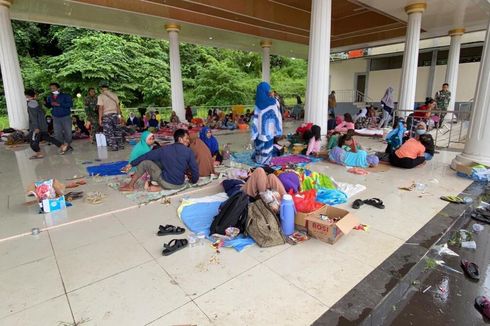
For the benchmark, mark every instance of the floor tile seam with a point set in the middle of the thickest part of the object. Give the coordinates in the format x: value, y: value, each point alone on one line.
x: 392, y: 235
x: 69, y: 251
x: 173, y: 310
x: 194, y: 298
x: 108, y: 276
x: 26, y: 263
x: 298, y: 287
x: 32, y: 306
x: 61, y: 277
x: 269, y: 258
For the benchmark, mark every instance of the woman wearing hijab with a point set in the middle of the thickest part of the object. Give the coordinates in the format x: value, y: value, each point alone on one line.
x: 174, y: 118
x: 211, y: 142
x: 388, y: 105
x: 153, y: 122
x: 142, y: 147
x: 205, y: 160
x: 267, y: 124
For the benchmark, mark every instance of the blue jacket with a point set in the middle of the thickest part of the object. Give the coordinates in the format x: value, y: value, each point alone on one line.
x: 175, y: 160
x: 65, y: 102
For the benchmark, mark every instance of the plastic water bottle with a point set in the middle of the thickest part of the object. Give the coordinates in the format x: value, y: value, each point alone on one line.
x: 287, y: 212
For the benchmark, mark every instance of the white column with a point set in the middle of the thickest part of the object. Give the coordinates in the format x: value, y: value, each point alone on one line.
x: 453, y: 65
x: 477, y: 147
x: 316, y: 106
x: 12, y: 79
x: 410, y: 56
x: 175, y: 71
x: 266, y: 60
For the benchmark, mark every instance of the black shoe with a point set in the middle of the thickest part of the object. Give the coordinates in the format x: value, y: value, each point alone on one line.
x: 69, y: 149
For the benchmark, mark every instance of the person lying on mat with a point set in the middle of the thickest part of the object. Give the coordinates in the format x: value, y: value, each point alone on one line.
x: 409, y: 155
x: 258, y: 181
x: 167, y: 166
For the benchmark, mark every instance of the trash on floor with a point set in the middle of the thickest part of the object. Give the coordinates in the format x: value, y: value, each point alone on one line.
x: 444, y: 250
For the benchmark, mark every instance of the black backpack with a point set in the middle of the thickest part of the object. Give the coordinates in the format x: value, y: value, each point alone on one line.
x: 233, y: 212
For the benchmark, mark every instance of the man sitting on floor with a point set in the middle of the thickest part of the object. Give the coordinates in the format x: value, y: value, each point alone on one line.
x: 167, y: 165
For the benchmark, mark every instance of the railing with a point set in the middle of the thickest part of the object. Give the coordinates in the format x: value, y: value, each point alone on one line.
x: 352, y: 96
x: 165, y: 111
x: 452, y: 130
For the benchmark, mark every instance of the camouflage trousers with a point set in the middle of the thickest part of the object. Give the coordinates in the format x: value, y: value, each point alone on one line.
x: 94, y: 125
x: 112, y: 131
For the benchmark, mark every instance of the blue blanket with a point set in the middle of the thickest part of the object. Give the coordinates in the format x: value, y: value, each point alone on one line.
x: 198, y: 217
x: 112, y: 168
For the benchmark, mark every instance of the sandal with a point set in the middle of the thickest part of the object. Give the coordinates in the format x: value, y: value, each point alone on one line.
x: 72, y: 195
x: 36, y: 157
x: 357, y: 203
x: 376, y: 202
x: 453, y: 199
x: 95, y: 198
x: 173, y: 246
x: 482, y: 304
x: 169, y: 229
x: 480, y: 218
x: 470, y: 269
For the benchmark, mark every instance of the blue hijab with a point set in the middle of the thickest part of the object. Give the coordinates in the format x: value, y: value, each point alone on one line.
x: 262, y: 98
x: 212, y: 142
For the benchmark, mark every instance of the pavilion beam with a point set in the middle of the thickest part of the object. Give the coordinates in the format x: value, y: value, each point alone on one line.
x: 477, y: 148
x: 11, y: 76
x: 266, y: 60
x: 177, y: 89
x: 411, y: 56
x: 316, y: 107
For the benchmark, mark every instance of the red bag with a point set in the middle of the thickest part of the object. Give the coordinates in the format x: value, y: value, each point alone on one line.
x: 305, y: 202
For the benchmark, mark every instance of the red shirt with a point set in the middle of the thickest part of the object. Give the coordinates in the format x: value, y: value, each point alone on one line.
x: 422, y: 111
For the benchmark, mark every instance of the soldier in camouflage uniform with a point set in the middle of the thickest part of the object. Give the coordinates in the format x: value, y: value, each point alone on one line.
x: 92, y: 112
x: 443, y: 97
x: 109, y: 117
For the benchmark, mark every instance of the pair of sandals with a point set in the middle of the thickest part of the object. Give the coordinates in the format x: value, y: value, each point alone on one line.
x: 376, y: 202
x: 453, y: 199
x: 175, y: 244
x: 482, y: 303
x: 481, y: 215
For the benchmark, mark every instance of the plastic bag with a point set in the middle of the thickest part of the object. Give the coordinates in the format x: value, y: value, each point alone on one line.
x: 305, y: 201
x: 44, y: 189
x: 331, y: 196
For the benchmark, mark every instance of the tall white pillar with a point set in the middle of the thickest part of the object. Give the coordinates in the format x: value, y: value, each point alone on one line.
x: 453, y: 64
x: 477, y: 147
x: 12, y: 79
x: 410, y: 56
x: 175, y: 71
x: 316, y: 105
x: 266, y: 60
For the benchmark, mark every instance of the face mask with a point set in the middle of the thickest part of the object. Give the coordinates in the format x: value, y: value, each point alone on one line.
x: 420, y: 131
x: 56, y: 92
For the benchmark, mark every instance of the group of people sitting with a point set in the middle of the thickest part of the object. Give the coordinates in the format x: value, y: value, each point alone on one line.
x: 190, y: 156
x: 217, y: 119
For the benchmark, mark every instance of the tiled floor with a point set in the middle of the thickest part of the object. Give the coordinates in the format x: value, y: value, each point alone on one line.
x: 108, y: 270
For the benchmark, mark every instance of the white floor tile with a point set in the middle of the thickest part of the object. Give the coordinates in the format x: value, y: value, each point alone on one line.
x: 82, y: 233
x: 24, y: 250
x: 29, y: 284
x: 90, y: 263
x: 188, y: 314
x: 52, y: 312
x: 200, y: 269
x: 260, y: 297
x: 135, y: 297
x: 320, y: 270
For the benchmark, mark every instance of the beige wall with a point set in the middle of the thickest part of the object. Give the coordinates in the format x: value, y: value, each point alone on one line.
x: 342, y: 73
x: 467, y: 77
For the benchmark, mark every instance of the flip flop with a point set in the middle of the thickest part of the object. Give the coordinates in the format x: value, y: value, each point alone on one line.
x: 453, y: 199
x: 72, y: 195
x: 376, y: 202
x: 173, y: 246
x: 482, y: 304
x: 480, y: 218
x: 169, y: 229
x: 357, y: 203
x: 36, y: 157
x: 483, y: 212
x: 470, y: 269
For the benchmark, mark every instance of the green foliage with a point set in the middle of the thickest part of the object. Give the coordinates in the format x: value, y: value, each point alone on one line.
x: 137, y: 68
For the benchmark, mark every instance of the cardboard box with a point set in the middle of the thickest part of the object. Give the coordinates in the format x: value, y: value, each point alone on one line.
x: 53, y: 205
x: 465, y: 169
x: 328, y: 231
x: 300, y: 218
